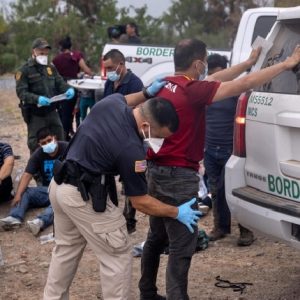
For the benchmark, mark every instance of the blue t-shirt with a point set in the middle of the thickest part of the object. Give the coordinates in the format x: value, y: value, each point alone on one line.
x: 220, y: 123
x: 130, y: 84
x: 108, y: 141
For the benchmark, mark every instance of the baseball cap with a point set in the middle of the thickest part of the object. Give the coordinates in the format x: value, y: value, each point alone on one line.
x: 40, y: 43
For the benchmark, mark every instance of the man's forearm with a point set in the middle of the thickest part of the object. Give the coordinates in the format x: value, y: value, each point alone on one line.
x: 152, y: 206
x: 231, y: 73
x: 24, y: 182
x: 7, y: 168
x: 135, y: 99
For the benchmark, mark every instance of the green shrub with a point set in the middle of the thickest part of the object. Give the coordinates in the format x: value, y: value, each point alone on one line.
x: 7, y: 62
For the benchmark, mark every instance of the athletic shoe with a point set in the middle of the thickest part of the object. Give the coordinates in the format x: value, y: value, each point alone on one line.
x: 9, y: 223
x: 35, y: 226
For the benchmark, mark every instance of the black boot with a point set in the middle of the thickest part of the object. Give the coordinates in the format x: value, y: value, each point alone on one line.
x: 246, y: 237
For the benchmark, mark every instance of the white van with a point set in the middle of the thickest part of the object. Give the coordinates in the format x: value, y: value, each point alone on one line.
x: 263, y: 174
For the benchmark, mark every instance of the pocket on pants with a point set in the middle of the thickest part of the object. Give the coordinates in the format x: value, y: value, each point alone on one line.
x: 113, y: 234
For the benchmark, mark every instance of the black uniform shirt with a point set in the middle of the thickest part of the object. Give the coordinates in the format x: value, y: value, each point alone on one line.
x: 108, y: 141
x: 42, y: 162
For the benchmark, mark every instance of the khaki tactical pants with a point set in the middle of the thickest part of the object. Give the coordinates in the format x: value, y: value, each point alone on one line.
x: 76, y: 224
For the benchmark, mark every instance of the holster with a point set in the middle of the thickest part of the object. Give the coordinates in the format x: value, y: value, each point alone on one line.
x: 98, y: 192
x: 26, y: 112
x: 59, y: 171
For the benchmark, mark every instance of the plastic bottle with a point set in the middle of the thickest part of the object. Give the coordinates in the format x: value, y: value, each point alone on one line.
x: 47, y: 238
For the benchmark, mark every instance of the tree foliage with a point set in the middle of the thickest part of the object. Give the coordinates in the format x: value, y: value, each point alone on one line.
x: 86, y: 21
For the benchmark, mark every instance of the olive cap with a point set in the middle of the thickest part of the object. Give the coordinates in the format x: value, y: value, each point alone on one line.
x: 40, y: 43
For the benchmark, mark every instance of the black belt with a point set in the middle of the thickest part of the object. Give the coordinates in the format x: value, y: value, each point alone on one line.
x: 71, y: 180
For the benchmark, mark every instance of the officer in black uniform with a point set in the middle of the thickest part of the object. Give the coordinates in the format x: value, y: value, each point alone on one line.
x: 109, y: 141
x: 36, y: 82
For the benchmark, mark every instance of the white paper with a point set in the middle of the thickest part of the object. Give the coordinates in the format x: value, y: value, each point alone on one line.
x: 58, y: 98
x: 265, y: 47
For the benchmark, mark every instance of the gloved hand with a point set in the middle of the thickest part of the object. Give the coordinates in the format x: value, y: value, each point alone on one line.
x: 155, y: 86
x: 70, y: 93
x: 187, y: 215
x: 43, y: 101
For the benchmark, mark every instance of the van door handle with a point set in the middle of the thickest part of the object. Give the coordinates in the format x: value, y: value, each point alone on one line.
x: 290, y: 119
x: 290, y: 168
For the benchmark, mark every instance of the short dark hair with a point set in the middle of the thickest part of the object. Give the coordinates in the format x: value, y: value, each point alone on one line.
x: 115, y: 55
x: 134, y: 25
x: 43, y: 133
x: 162, y: 112
x: 216, y: 61
x: 186, y: 51
x: 65, y: 43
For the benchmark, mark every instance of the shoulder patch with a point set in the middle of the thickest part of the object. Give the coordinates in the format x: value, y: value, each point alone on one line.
x: 140, y: 166
x: 18, y: 75
x: 49, y: 71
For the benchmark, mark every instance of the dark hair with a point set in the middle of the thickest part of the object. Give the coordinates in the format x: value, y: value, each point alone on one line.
x: 162, y: 112
x: 216, y: 60
x: 65, y: 43
x: 136, y: 29
x: 115, y: 55
x: 186, y: 51
x: 116, y: 31
x: 43, y: 133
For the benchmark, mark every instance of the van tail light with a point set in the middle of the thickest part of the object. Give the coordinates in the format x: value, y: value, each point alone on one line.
x: 239, y: 141
x: 103, y: 70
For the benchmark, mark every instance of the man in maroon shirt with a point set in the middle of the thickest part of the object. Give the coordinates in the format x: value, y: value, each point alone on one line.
x: 172, y: 170
x: 69, y: 63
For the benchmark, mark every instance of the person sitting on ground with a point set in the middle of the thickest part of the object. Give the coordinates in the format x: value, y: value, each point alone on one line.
x: 42, y: 160
x: 6, y: 167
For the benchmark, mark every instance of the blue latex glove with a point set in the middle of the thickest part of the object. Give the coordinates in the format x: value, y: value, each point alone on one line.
x: 155, y: 86
x: 187, y: 215
x: 43, y: 101
x: 70, y: 93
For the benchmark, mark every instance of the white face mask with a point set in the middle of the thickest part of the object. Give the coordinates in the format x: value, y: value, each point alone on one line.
x: 42, y: 59
x: 154, y: 143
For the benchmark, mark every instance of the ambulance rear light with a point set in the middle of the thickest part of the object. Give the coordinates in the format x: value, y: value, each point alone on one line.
x: 239, y: 141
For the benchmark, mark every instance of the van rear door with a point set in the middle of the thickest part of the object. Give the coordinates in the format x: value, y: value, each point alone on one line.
x: 273, y: 122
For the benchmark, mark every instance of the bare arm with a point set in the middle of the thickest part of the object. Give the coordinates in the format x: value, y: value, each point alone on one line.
x: 233, y: 72
x: 24, y: 182
x: 154, y: 207
x: 236, y: 87
x: 83, y: 66
x: 7, y: 167
x: 135, y: 98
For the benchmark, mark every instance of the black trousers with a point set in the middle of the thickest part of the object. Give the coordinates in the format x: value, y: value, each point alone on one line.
x: 66, y: 115
x: 5, y: 189
x: 173, y: 186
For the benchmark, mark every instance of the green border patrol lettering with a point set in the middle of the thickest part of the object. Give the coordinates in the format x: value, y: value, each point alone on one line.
x: 284, y: 186
x: 155, y: 51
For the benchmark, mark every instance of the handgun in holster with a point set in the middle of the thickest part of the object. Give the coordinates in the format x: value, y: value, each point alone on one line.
x: 98, y: 192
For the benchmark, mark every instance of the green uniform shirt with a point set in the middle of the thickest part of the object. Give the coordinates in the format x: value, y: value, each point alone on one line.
x: 34, y: 80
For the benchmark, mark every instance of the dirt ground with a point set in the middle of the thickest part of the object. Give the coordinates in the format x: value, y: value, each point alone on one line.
x: 272, y: 267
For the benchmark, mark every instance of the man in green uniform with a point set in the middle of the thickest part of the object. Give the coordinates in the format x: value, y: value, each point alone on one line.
x: 37, y: 82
